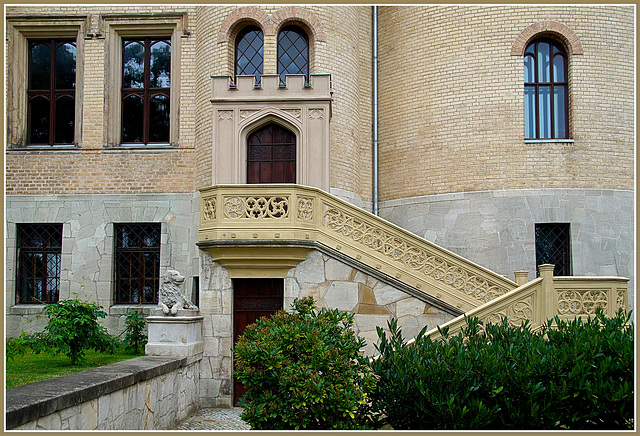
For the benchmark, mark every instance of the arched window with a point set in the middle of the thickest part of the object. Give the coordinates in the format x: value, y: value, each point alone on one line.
x: 249, y: 52
x: 293, y: 53
x: 546, y: 102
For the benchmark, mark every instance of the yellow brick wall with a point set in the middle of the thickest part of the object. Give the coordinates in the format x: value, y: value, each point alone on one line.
x: 345, y: 54
x: 92, y: 168
x: 451, y: 101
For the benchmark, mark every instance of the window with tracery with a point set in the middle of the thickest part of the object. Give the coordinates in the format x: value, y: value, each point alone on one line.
x: 293, y: 53
x: 146, y: 81
x: 249, y: 53
x: 546, y: 94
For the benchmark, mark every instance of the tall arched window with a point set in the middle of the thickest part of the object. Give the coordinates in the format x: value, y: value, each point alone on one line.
x: 293, y: 53
x: 249, y: 52
x: 546, y: 102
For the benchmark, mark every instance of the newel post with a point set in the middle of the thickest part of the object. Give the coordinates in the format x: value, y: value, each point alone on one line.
x: 522, y: 277
x: 549, y: 295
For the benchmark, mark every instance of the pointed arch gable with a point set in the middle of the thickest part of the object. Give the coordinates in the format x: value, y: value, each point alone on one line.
x: 553, y: 29
x: 262, y: 118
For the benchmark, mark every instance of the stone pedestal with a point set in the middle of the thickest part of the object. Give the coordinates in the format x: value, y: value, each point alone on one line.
x: 177, y: 335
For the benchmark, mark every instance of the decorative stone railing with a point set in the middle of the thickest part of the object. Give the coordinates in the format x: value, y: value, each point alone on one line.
x: 545, y: 298
x: 298, y: 216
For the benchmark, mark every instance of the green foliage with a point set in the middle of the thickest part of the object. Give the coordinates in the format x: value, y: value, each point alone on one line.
x: 134, y: 335
x: 576, y: 375
x: 303, y: 370
x: 72, y: 329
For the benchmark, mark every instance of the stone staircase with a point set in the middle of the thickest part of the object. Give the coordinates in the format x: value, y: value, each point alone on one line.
x: 283, y: 218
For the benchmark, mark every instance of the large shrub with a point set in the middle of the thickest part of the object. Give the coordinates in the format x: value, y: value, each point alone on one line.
x: 72, y: 329
x: 577, y: 375
x: 303, y: 370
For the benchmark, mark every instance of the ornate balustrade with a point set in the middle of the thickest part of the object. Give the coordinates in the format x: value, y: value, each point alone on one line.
x: 547, y: 297
x: 298, y: 216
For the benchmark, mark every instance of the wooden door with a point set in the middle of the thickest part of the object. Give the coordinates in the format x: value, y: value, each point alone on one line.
x: 252, y: 299
x: 271, y: 155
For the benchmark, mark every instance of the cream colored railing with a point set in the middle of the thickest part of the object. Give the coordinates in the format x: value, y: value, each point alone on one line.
x: 547, y: 297
x: 298, y: 214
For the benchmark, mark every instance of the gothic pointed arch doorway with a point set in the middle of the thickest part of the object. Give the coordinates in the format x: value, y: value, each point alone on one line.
x: 271, y: 155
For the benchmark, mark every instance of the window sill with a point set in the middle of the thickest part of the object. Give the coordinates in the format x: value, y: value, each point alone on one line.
x: 27, y: 309
x: 46, y: 148
x: 122, y: 309
x: 536, y: 141
x: 154, y: 148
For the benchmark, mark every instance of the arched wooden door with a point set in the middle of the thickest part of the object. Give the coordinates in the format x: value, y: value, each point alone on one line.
x: 253, y: 299
x: 271, y: 155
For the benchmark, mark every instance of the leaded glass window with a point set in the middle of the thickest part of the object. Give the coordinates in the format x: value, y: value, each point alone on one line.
x: 545, y: 91
x: 249, y: 53
x: 146, y: 82
x: 39, y: 255
x: 51, y: 92
x: 553, y: 246
x: 137, y: 263
x: 293, y: 53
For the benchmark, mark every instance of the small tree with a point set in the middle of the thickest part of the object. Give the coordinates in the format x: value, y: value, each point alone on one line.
x: 303, y: 370
x: 72, y: 329
x: 135, y: 336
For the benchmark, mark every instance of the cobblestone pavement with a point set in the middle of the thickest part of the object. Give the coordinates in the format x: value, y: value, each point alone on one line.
x: 215, y: 419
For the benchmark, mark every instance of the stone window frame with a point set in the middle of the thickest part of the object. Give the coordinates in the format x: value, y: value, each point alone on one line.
x: 19, y: 31
x: 119, y: 27
x: 569, y: 40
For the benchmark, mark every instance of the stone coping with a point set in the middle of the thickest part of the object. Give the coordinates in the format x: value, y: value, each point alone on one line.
x: 34, y: 400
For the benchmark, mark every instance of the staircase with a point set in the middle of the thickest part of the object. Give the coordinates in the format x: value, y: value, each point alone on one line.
x: 295, y: 217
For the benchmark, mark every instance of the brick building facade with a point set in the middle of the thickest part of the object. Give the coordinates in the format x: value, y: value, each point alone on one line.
x: 455, y: 165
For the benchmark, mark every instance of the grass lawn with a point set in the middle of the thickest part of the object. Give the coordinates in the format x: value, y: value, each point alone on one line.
x: 30, y: 367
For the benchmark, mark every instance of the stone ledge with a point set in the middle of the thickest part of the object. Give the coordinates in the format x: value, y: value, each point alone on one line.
x: 34, y: 400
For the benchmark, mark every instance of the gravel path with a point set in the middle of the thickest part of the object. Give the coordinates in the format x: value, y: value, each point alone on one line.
x: 215, y: 419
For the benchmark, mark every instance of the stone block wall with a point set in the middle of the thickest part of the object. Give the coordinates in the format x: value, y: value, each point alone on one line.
x: 496, y: 229
x: 147, y: 393
x: 87, y: 263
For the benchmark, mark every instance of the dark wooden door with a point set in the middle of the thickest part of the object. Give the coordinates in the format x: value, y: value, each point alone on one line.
x: 252, y: 299
x: 271, y: 155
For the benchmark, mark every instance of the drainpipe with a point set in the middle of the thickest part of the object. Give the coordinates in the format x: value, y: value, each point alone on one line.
x: 375, y: 110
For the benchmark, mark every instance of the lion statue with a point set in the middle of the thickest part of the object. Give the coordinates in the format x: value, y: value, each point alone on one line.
x: 170, y: 298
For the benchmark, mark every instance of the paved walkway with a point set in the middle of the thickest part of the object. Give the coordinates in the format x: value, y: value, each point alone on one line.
x: 215, y: 419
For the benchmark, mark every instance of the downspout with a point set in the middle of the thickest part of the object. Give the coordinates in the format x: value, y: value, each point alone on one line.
x: 375, y: 111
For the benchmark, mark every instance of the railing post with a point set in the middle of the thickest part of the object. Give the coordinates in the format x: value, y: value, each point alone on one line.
x: 522, y: 277
x: 549, y: 295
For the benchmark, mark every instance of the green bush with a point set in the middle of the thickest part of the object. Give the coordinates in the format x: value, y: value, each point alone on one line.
x: 134, y: 334
x: 72, y: 329
x: 303, y: 370
x: 577, y: 375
